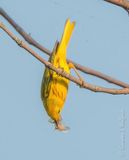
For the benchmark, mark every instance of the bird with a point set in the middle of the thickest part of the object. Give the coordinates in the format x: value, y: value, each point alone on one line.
x: 54, y: 87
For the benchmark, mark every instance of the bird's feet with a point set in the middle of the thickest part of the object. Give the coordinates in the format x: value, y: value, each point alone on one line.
x: 71, y: 65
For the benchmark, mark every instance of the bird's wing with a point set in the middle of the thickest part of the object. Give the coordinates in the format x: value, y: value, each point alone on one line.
x: 48, y: 75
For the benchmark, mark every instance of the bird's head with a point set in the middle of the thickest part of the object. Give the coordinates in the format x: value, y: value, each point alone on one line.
x: 57, y: 120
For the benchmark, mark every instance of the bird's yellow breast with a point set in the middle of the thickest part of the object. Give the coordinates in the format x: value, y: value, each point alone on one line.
x: 54, y: 88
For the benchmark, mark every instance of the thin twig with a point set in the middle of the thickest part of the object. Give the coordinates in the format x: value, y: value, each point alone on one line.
x: 86, y: 70
x: 60, y: 71
x: 121, y: 3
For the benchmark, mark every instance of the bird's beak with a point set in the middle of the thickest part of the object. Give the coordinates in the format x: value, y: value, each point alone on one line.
x: 59, y: 126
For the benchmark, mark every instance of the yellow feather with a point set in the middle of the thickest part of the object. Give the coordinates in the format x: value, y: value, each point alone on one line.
x: 54, y: 87
x: 67, y: 33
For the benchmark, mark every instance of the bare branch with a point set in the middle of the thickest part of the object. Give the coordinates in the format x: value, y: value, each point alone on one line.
x: 60, y: 71
x: 121, y: 3
x: 21, y: 31
x: 86, y: 70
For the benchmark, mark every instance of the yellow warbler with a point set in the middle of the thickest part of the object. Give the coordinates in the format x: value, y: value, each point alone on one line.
x: 54, y: 87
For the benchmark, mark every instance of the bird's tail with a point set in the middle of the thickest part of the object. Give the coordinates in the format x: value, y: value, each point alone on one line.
x: 68, y: 29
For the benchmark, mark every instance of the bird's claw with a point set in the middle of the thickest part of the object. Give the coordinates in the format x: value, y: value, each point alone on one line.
x: 82, y: 83
x: 62, y: 71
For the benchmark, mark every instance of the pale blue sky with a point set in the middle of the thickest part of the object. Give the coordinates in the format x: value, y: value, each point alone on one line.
x: 100, y: 41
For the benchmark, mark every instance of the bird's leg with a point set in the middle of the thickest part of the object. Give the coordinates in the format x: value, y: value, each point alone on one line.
x: 71, y: 65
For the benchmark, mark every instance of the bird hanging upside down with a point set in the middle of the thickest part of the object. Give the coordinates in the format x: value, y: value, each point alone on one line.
x: 54, y: 87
